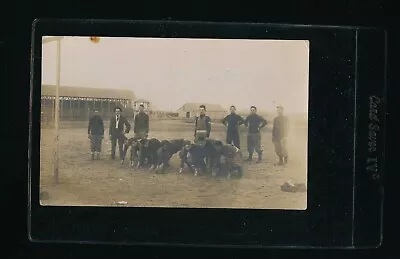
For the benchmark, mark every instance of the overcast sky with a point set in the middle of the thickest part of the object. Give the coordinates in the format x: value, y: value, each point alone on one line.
x: 170, y: 72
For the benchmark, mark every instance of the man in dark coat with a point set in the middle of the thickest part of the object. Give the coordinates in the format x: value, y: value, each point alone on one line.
x: 202, y: 127
x: 141, y: 124
x: 117, y: 133
x: 233, y: 121
x: 95, y: 134
x: 254, y: 123
x: 279, y: 136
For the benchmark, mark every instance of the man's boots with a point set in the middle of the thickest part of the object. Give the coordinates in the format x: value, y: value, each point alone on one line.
x: 250, y: 158
x: 259, y: 157
x: 280, y: 160
x: 285, y: 159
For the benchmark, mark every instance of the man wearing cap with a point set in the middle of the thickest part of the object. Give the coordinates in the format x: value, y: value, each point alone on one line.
x: 202, y: 127
x: 95, y: 134
x: 254, y: 123
x: 141, y: 125
x: 233, y: 121
x: 279, y: 135
x: 116, y: 132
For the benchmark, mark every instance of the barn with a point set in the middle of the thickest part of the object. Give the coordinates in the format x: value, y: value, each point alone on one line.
x: 190, y: 110
x: 78, y: 103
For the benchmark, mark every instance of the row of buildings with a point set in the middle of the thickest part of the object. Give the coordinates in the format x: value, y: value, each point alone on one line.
x: 78, y: 103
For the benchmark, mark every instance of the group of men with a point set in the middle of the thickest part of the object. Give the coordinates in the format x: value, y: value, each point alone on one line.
x: 254, y: 123
x: 119, y: 126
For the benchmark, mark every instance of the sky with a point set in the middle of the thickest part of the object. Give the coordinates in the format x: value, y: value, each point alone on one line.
x: 171, y: 72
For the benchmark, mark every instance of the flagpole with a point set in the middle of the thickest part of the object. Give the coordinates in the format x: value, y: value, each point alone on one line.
x: 57, y: 112
x: 57, y: 39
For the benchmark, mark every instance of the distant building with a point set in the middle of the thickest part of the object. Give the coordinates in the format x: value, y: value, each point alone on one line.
x: 78, y: 103
x: 161, y: 115
x: 190, y: 110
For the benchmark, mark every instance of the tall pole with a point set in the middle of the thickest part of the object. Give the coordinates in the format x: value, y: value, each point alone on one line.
x: 57, y: 111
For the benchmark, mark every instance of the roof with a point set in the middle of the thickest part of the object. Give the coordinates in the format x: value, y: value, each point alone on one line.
x: 209, y: 106
x: 75, y: 91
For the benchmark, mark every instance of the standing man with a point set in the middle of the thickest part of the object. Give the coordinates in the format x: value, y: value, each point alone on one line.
x: 202, y: 128
x: 233, y: 121
x: 254, y: 123
x: 141, y: 125
x: 279, y: 135
x: 95, y: 133
x: 117, y: 133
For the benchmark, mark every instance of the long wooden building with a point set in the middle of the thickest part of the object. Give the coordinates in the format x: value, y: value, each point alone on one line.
x: 78, y: 103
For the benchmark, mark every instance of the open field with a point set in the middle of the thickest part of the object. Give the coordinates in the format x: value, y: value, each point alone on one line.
x: 104, y: 182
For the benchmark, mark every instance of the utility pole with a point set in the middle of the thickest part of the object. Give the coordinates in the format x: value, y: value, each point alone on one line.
x: 56, y: 104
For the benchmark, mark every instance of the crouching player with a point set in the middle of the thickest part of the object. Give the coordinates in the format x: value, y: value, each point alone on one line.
x: 132, y: 144
x: 193, y: 156
x: 230, y: 162
x: 186, y: 158
x: 167, y: 150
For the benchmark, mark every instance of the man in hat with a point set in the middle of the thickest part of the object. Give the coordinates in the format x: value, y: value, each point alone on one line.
x: 117, y: 133
x: 202, y: 127
x: 279, y: 135
x: 254, y: 123
x: 233, y: 121
x: 141, y: 125
x: 95, y: 134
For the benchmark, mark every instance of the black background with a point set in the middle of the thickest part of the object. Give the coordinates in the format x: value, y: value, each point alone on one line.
x: 15, y: 51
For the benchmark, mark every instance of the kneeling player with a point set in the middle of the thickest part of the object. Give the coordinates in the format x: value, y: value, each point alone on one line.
x: 232, y: 162
x: 167, y: 150
x: 186, y: 158
x: 131, y: 144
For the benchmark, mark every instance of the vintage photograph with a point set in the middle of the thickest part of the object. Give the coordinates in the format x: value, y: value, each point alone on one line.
x: 174, y: 122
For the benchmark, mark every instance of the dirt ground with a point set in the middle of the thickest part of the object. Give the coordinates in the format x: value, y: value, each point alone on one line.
x: 105, y: 182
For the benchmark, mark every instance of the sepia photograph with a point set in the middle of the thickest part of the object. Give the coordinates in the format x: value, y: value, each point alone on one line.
x: 174, y: 122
